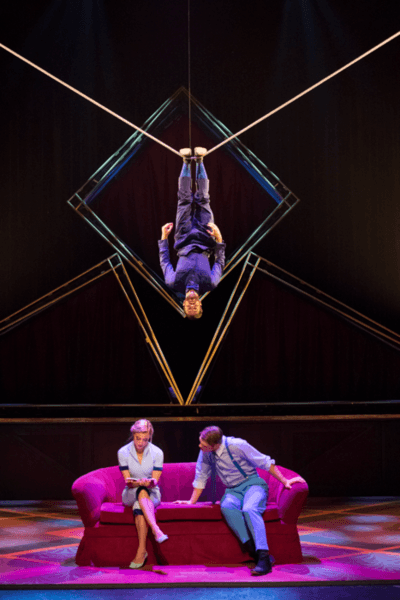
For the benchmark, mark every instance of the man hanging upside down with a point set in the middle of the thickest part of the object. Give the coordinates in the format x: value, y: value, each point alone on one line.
x: 196, y: 238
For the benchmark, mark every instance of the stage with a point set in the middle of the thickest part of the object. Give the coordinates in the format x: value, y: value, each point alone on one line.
x: 298, y: 351
x: 351, y: 542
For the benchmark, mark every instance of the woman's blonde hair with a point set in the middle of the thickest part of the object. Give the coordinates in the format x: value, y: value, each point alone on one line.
x: 142, y: 426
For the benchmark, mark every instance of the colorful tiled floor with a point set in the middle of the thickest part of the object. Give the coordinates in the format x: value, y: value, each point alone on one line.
x: 353, y: 540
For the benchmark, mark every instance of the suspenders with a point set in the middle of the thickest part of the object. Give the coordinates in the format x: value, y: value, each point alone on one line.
x: 239, y: 468
x: 214, y: 471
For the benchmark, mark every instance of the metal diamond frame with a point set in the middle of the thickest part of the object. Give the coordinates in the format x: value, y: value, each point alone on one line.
x: 174, y: 107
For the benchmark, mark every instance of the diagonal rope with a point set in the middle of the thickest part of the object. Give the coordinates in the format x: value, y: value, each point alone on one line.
x: 89, y: 99
x: 304, y: 93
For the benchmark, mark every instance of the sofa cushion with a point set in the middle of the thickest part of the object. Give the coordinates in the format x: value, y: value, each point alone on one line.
x: 117, y: 513
x: 202, y: 511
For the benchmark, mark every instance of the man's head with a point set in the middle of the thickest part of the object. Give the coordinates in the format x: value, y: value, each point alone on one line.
x: 192, y: 305
x: 210, y: 438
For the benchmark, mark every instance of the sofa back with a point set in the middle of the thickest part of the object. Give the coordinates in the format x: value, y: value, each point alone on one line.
x: 106, y: 485
x: 176, y: 483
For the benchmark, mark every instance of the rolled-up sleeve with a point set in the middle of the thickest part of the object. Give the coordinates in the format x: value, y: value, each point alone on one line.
x: 165, y: 262
x: 219, y: 263
x: 253, y: 456
x: 158, y: 460
x: 123, y: 459
x: 203, y: 471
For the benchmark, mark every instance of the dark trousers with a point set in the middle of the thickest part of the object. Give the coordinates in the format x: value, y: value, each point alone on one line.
x: 192, y: 216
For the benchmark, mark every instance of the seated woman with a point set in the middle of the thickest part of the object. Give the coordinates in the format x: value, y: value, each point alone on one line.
x: 141, y: 465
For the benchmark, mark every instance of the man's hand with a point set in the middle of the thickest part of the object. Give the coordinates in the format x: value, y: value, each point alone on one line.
x: 193, y: 498
x: 290, y: 482
x: 215, y: 232
x: 166, y: 230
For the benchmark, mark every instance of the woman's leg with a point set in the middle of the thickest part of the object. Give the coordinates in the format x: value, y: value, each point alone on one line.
x: 149, y: 513
x: 142, y: 530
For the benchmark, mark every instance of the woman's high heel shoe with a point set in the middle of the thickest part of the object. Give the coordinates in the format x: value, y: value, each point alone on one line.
x: 134, y: 565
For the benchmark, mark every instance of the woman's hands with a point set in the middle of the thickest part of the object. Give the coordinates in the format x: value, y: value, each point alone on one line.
x: 134, y: 483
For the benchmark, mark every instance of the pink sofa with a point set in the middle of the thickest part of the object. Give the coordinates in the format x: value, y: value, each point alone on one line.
x: 197, y: 533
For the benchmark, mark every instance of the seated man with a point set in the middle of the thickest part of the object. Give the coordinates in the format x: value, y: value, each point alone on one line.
x: 196, y: 238
x: 235, y: 461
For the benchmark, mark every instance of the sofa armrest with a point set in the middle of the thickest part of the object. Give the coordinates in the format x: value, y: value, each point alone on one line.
x: 94, y: 488
x: 291, y: 502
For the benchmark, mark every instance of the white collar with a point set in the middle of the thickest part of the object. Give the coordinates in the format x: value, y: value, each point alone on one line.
x: 221, y: 447
x: 135, y: 454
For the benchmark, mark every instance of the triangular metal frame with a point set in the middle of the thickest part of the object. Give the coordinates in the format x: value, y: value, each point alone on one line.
x: 312, y: 293
x: 251, y: 265
x: 114, y: 265
x: 240, y: 288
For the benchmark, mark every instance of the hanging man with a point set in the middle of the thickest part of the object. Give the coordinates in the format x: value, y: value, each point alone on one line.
x: 196, y: 239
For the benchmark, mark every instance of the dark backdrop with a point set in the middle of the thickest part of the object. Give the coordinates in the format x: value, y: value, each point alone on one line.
x: 338, y: 457
x: 337, y: 148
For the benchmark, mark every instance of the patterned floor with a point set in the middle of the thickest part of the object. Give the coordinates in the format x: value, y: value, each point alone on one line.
x: 353, y: 540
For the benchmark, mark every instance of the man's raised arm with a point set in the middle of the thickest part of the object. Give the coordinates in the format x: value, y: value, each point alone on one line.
x: 165, y: 261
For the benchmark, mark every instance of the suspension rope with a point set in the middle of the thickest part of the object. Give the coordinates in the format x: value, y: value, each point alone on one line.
x: 189, y: 84
x: 89, y: 99
x: 304, y: 93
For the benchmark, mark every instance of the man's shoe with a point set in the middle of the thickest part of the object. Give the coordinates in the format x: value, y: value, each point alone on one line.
x: 200, y: 153
x: 263, y: 566
x: 186, y: 154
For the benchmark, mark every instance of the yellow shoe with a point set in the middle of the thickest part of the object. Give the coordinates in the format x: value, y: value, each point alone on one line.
x: 134, y: 565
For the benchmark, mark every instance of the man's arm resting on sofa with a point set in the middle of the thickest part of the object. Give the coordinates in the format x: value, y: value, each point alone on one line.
x: 275, y: 472
x: 193, y: 499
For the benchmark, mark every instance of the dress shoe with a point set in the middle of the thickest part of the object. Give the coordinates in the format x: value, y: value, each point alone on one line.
x: 263, y: 566
x: 134, y: 565
x: 162, y: 538
x: 186, y: 154
x: 200, y: 153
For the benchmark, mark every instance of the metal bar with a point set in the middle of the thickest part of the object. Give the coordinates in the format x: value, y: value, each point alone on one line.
x: 89, y: 99
x: 150, y: 338
x: 217, y: 342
